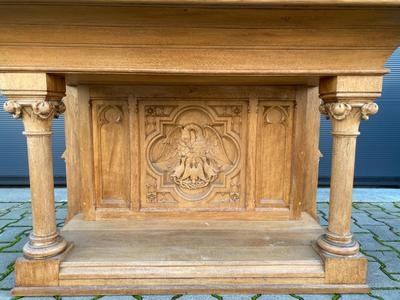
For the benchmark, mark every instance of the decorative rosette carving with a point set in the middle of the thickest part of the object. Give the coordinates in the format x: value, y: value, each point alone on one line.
x: 369, y: 109
x: 13, y: 108
x: 336, y: 110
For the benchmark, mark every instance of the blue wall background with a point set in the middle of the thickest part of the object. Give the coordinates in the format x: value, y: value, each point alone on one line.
x: 378, y: 148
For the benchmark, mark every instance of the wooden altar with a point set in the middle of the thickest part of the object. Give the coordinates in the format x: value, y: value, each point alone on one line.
x: 192, y: 132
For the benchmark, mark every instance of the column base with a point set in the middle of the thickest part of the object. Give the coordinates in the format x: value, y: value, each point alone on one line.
x: 343, y: 247
x: 38, y: 248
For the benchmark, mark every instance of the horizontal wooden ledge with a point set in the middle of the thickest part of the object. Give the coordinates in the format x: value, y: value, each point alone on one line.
x: 184, y: 47
x: 154, y: 272
x: 194, y: 72
x: 231, y: 289
x: 279, y: 3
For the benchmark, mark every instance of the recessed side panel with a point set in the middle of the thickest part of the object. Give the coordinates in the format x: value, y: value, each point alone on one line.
x: 111, y: 153
x: 275, y: 131
x: 193, y: 154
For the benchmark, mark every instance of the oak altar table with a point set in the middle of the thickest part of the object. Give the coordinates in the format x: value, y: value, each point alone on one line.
x: 192, y: 132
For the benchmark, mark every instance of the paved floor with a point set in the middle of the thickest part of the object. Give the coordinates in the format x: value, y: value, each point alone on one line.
x: 375, y: 224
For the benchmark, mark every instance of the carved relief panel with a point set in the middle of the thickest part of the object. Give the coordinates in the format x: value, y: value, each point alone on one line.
x: 192, y: 155
x: 111, y: 153
x: 274, y: 152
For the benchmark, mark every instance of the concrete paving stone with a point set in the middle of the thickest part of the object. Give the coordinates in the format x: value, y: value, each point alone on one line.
x: 8, y: 234
x: 117, y: 298
x: 367, y: 242
x: 5, y: 295
x: 160, y: 297
x: 394, y: 223
x: 275, y: 297
x: 26, y: 221
x: 381, y: 215
x: 76, y: 298
x: 391, y: 260
x: 358, y: 229
x: 16, y: 213
x: 395, y: 245
x: 323, y: 221
x: 38, y: 298
x: 8, y: 282
x: 14, y: 194
x: 323, y: 205
x: 4, y: 223
x: 364, y: 219
x: 391, y: 206
x: 387, y: 294
x: 378, y: 279
x: 61, y: 213
x: 396, y: 276
x: 376, y: 195
x: 17, y: 247
x: 239, y: 297
x: 6, y: 260
x: 365, y: 195
x: 355, y: 297
x: 198, y: 297
x: 383, y: 232
x: 316, y: 297
x: 7, y: 205
x: 366, y: 206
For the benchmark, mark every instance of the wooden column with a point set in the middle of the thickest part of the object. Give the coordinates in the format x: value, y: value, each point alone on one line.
x: 36, y: 98
x: 347, y: 101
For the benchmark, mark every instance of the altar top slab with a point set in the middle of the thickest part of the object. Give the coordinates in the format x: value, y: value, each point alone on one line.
x: 214, y: 38
x: 381, y: 3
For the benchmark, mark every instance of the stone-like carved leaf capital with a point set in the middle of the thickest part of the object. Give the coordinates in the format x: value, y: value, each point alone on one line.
x: 338, y: 110
x: 42, y: 109
x: 369, y: 109
x: 13, y: 108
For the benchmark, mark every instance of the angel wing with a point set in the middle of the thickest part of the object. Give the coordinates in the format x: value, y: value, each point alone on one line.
x: 167, y: 156
x: 216, y: 150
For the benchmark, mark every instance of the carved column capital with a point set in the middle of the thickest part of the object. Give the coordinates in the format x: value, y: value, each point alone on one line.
x: 368, y: 109
x: 341, y: 110
x: 41, y: 109
x: 14, y: 108
x: 336, y: 110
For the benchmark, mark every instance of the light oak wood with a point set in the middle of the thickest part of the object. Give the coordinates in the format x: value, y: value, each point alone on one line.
x: 36, y: 99
x: 192, y: 134
x: 348, y: 100
x: 72, y: 152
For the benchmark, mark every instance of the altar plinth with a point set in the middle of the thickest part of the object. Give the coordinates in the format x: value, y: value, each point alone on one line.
x: 192, y: 133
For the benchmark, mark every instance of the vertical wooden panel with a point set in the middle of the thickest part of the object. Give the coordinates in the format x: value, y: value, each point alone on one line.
x: 111, y: 153
x: 86, y: 153
x: 72, y: 151
x: 311, y: 151
x: 275, y: 124
x: 251, y: 153
x: 299, y: 154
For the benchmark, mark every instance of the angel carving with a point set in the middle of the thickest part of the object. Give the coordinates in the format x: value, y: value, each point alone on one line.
x: 193, y: 156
